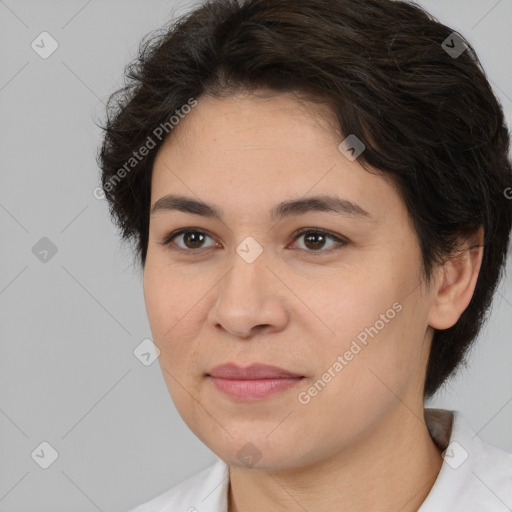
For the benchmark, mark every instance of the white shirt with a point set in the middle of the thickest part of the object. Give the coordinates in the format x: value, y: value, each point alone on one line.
x: 475, y: 476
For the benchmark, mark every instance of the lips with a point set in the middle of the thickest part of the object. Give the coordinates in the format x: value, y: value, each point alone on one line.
x: 255, y: 371
x: 252, y: 383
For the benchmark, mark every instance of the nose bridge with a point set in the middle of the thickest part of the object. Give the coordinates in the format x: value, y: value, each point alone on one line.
x: 244, y: 285
x: 249, y: 265
x: 245, y: 295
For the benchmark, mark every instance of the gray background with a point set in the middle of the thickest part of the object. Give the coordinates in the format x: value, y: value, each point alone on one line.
x: 68, y: 375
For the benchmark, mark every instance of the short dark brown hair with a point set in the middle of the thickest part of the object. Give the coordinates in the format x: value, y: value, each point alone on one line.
x: 428, y: 118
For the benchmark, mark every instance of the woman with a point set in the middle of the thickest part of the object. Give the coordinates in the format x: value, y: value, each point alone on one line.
x: 317, y: 192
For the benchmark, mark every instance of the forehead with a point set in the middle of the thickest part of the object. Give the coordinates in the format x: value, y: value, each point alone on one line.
x: 248, y: 151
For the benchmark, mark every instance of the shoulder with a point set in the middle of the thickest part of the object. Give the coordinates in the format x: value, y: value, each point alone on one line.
x: 204, y: 491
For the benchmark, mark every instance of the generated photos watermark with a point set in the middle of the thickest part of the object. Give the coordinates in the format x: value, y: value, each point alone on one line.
x: 304, y: 397
x: 159, y: 133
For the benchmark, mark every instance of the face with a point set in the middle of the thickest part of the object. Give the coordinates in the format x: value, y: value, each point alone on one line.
x: 340, y: 305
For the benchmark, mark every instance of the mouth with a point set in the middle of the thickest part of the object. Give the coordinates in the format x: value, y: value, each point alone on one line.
x: 252, y: 383
x: 255, y: 371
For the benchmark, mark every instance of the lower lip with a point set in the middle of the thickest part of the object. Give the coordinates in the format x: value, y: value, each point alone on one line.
x: 256, y: 389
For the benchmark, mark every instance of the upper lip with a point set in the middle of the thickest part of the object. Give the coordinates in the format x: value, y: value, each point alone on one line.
x: 252, y: 372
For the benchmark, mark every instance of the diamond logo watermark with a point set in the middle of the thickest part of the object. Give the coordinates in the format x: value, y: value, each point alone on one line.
x: 146, y: 352
x: 44, y: 45
x: 352, y: 147
x: 249, y: 249
x: 454, y: 45
x: 44, y: 455
x: 455, y: 455
x: 249, y: 454
x: 44, y: 250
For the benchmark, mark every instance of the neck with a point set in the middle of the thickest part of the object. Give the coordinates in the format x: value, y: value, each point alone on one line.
x: 393, y: 468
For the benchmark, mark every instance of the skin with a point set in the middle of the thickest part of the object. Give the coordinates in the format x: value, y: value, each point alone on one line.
x: 361, y: 443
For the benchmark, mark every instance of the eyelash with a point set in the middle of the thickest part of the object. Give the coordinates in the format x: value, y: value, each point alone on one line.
x: 341, y: 241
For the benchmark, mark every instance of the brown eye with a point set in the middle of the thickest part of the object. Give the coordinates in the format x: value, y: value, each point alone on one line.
x: 193, y: 239
x: 190, y: 239
x: 315, y: 240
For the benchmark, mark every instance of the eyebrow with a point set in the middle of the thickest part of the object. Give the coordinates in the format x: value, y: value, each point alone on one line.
x: 320, y: 203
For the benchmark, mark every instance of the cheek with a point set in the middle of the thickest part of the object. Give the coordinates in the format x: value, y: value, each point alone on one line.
x: 389, y: 360
x: 173, y: 308
x: 165, y: 303
x: 350, y: 305
x: 158, y: 306
x: 373, y: 327
x: 166, y: 295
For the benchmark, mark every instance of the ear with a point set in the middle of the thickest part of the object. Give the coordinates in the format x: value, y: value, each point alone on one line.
x: 456, y: 282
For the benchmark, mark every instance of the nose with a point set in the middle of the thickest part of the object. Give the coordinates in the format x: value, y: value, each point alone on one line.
x: 250, y: 299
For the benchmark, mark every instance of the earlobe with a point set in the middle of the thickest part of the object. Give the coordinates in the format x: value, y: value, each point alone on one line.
x: 457, y: 282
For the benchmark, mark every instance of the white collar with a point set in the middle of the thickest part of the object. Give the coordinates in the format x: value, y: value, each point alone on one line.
x: 475, y: 476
